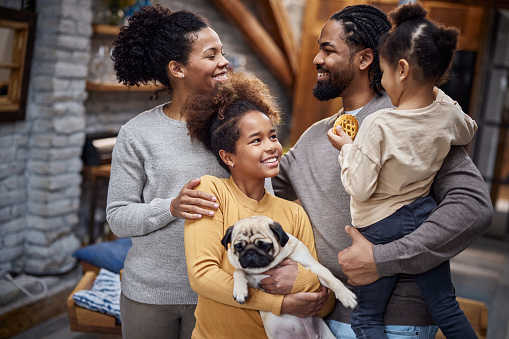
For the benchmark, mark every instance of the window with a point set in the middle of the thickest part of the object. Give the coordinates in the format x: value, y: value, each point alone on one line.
x: 17, y: 30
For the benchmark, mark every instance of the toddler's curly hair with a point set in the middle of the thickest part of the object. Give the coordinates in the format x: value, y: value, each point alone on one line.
x: 213, y: 118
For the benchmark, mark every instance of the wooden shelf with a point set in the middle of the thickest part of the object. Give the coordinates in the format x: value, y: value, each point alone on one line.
x: 105, y: 29
x: 117, y: 87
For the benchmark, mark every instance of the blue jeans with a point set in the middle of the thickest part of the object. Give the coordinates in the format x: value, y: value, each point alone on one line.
x: 435, y: 285
x: 344, y: 331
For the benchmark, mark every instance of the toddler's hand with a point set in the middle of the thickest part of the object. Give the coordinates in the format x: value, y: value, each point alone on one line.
x: 339, y: 140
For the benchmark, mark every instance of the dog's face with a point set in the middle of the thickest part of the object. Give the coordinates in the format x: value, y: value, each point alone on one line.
x: 255, y: 241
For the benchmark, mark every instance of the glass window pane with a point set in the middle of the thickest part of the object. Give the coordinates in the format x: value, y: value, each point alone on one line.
x: 6, y: 41
x: 501, y: 56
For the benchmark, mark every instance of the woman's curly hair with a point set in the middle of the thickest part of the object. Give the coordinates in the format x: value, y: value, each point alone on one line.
x: 213, y: 118
x: 153, y: 37
x: 427, y: 46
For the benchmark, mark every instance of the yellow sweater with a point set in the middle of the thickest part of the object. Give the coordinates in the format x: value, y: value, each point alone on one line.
x: 218, y: 315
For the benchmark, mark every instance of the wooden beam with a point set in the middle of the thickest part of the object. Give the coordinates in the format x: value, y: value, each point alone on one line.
x: 259, y: 39
x: 482, y: 3
x: 274, y: 17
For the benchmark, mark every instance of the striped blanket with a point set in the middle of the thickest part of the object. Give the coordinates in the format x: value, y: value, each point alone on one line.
x: 104, y: 296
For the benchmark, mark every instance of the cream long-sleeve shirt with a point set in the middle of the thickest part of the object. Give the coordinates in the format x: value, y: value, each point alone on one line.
x: 396, y: 155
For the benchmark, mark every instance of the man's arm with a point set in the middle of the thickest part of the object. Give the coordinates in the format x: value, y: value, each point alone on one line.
x: 281, y: 183
x: 463, y: 214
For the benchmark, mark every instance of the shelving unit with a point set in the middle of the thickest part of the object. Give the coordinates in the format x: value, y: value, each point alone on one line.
x: 105, y: 29
x: 114, y: 86
x: 117, y: 87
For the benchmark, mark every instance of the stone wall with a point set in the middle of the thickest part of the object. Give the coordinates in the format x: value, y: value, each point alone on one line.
x: 41, y: 156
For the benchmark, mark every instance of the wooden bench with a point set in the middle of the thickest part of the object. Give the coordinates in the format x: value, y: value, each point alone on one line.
x: 84, y: 320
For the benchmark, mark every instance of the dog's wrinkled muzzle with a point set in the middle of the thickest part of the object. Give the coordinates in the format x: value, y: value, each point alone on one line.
x: 254, y: 257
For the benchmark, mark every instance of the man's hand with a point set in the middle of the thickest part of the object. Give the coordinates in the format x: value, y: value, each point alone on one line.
x: 357, y: 261
x: 281, y: 278
x: 189, y: 203
x: 340, y: 139
x: 305, y: 304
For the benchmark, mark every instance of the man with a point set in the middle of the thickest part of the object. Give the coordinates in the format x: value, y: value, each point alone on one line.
x: 348, y: 67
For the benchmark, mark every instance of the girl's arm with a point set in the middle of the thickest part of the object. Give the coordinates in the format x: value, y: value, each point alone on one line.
x: 126, y: 212
x: 463, y: 126
x: 359, y: 166
x: 304, y: 232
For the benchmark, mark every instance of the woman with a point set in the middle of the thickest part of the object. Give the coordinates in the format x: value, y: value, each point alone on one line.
x: 236, y: 122
x: 152, y: 159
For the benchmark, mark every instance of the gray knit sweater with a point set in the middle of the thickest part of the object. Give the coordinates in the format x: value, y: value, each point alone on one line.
x: 310, y: 172
x: 152, y: 160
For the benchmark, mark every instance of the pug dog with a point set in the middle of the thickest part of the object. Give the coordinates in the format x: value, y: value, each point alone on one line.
x: 257, y: 244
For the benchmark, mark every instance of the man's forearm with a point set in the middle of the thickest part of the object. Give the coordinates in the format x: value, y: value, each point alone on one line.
x: 464, y: 212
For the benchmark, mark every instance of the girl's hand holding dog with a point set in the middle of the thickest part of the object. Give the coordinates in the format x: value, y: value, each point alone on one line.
x: 189, y: 203
x: 281, y: 278
x: 339, y: 140
x: 305, y: 304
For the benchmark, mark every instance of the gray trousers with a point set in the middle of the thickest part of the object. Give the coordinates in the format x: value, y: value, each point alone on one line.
x: 155, y: 321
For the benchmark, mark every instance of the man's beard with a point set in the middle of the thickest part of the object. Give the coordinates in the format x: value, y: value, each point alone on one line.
x: 327, y: 90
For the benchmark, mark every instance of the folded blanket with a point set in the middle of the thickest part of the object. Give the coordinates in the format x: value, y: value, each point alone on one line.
x: 104, y: 296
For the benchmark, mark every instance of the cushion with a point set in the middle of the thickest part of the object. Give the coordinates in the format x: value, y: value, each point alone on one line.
x: 109, y: 254
x: 104, y: 296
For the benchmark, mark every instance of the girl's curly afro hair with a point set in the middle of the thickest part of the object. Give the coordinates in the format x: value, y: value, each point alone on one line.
x: 153, y: 37
x: 213, y: 118
x: 429, y: 47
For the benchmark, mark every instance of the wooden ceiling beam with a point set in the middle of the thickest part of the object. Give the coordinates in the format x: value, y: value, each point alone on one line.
x: 504, y: 4
x: 259, y: 40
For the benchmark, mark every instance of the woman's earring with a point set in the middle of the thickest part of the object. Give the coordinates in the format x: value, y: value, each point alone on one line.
x: 182, y: 76
x: 232, y: 165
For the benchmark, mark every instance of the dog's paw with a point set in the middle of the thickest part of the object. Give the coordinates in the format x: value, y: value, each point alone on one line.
x: 347, y: 298
x: 240, y: 295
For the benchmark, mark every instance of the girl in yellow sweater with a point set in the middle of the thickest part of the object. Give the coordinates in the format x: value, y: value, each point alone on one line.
x: 236, y: 121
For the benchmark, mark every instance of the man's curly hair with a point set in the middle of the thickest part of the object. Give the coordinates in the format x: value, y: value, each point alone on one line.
x: 153, y: 37
x: 213, y: 118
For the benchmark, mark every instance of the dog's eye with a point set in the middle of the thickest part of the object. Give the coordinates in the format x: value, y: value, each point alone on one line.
x: 264, y: 246
x: 238, y: 246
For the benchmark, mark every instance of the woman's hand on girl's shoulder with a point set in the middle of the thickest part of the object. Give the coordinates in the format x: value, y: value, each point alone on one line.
x: 193, y: 204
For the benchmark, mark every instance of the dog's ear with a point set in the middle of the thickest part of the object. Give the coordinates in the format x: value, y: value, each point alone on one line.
x: 227, y: 237
x: 279, y: 233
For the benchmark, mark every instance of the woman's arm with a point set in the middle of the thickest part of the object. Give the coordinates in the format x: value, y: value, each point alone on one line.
x: 126, y: 212
x: 193, y: 204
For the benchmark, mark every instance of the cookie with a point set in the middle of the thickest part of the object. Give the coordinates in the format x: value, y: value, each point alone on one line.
x: 348, y: 123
